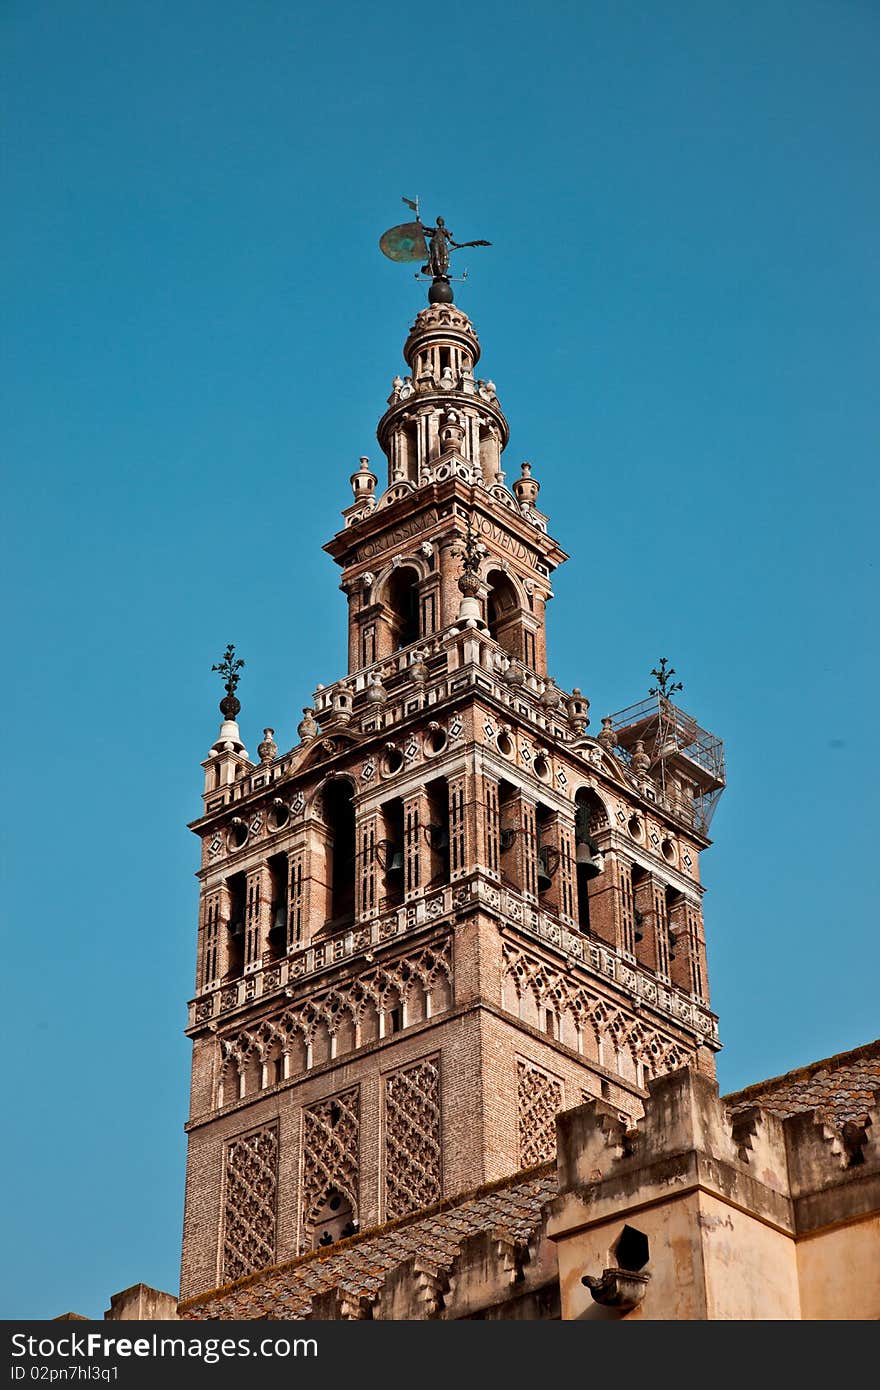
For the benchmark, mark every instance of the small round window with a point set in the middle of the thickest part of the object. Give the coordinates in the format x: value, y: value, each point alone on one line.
x: 279, y: 815
x: 635, y: 827
x: 238, y: 833
x: 392, y: 761
x: 436, y: 741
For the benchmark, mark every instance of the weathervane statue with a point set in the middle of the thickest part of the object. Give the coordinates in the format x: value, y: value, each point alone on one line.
x: 413, y: 241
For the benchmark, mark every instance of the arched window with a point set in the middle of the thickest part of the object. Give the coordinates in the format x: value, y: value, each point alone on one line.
x: 503, y: 614
x: 339, y: 818
x: 402, y: 598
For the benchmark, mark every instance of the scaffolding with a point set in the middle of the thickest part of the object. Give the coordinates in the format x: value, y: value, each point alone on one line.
x: 685, y: 762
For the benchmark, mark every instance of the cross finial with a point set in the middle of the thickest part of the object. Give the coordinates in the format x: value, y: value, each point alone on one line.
x: 663, y: 688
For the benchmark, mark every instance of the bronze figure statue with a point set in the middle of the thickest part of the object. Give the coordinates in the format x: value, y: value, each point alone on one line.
x: 413, y: 240
x: 438, y: 250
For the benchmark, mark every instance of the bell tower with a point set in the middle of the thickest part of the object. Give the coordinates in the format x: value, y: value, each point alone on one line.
x: 448, y: 911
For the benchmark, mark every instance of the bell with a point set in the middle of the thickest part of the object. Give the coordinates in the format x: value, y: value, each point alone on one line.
x: 395, y: 865
x: 544, y: 879
x: 236, y: 929
x: 588, y: 859
x: 279, y: 921
x: 439, y: 837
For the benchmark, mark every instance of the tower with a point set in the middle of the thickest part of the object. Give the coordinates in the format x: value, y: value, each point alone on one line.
x: 449, y: 911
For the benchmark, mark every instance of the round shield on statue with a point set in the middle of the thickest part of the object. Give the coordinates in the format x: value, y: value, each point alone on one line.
x: 404, y: 243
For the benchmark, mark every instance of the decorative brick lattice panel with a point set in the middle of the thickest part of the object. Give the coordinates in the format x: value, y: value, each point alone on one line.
x: 413, y: 1157
x: 331, y: 1132
x: 539, y: 1100
x: 250, y: 1207
x: 428, y: 971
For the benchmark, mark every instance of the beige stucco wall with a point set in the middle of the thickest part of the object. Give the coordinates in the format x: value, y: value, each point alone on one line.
x: 751, y: 1268
x: 707, y: 1260
x: 840, y: 1272
x: 676, y: 1290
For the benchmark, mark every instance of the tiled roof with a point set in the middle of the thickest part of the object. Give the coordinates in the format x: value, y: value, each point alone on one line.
x: 841, y: 1088
x: 358, y: 1266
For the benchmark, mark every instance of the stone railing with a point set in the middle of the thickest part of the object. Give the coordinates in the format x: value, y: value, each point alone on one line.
x: 436, y: 668
x: 594, y: 956
x: 582, y: 952
x: 270, y: 977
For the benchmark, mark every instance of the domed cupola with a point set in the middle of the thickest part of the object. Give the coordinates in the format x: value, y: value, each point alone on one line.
x: 440, y: 417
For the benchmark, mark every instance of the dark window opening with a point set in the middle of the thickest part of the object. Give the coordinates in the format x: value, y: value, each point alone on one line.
x: 548, y: 854
x: 403, y: 601
x: 237, y: 886
x: 631, y: 1250
x: 437, y: 831
x: 638, y: 877
x: 503, y: 614
x: 339, y: 817
x: 589, y: 864
x: 391, y: 852
x: 277, y: 866
x: 509, y: 827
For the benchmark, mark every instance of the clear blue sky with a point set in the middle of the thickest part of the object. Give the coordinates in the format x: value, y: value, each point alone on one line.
x: 680, y: 311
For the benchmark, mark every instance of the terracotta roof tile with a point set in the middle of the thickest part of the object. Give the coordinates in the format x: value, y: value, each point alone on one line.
x: 841, y: 1088
x: 358, y: 1266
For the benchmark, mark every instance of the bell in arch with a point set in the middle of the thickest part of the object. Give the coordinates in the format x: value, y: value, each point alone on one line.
x: 437, y: 837
x: 548, y: 862
x: 588, y: 859
x: 395, y: 862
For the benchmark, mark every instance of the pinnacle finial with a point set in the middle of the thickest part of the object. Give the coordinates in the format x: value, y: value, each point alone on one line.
x: 228, y: 669
x: 470, y: 554
x: 663, y: 688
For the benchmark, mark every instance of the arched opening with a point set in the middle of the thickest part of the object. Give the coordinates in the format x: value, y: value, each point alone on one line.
x: 639, y: 887
x: 392, y: 853
x: 590, y: 817
x: 237, y: 887
x: 333, y: 1220
x: 503, y: 614
x: 510, y: 853
x: 402, y: 599
x: 339, y: 818
x: 548, y: 856
x: 277, y: 944
x: 437, y: 831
